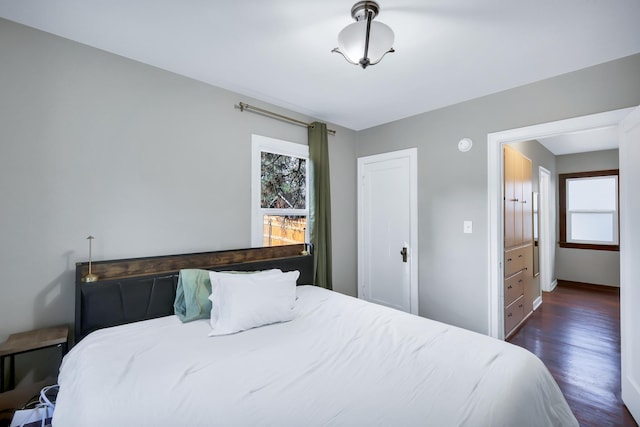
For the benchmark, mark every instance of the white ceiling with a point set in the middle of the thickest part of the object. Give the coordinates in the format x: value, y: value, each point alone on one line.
x: 279, y: 51
x: 579, y: 142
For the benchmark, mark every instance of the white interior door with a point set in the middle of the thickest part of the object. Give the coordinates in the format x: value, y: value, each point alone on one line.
x: 387, y: 229
x: 545, y: 242
x: 629, y: 256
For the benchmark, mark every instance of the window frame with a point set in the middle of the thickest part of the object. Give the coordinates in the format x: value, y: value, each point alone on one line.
x: 562, y: 195
x: 260, y: 144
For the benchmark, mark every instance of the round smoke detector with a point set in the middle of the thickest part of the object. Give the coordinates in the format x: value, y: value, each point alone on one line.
x: 465, y: 145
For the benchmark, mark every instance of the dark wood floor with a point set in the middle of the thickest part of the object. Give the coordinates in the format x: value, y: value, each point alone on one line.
x: 576, y: 333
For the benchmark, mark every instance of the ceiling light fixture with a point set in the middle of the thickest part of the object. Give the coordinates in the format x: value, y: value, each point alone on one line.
x: 365, y: 42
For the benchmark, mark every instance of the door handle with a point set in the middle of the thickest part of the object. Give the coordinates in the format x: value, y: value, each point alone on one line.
x: 404, y: 253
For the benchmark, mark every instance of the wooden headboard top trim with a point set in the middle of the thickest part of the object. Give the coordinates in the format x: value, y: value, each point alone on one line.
x: 135, y: 267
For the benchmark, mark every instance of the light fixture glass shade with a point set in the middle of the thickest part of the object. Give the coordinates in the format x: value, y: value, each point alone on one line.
x: 352, y: 38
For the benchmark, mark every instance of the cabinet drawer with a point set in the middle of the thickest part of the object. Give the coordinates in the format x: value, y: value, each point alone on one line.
x: 513, y: 287
x: 514, y: 260
x: 513, y: 315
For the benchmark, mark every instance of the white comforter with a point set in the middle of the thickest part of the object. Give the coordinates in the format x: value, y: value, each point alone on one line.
x: 340, y: 362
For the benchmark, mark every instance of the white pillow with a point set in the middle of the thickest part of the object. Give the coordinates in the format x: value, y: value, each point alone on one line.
x: 215, y: 276
x: 248, y: 301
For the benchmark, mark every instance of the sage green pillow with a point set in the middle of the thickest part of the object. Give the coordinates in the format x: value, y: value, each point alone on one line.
x: 192, y: 295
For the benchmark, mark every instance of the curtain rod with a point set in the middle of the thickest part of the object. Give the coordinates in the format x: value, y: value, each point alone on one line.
x: 242, y: 106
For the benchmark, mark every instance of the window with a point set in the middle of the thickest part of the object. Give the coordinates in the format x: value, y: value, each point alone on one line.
x: 279, y: 192
x: 589, y: 212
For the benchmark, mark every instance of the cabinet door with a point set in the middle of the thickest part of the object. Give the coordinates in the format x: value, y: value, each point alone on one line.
x: 510, y: 178
x: 527, y: 201
x: 519, y: 198
x: 518, y: 202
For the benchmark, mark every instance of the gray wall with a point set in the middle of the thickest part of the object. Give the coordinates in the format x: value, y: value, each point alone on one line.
x: 453, y: 267
x: 147, y: 161
x: 582, y: 265
x: 540, y: 156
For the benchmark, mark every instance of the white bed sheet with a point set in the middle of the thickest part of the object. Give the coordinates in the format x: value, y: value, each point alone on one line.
x: 340, y: 362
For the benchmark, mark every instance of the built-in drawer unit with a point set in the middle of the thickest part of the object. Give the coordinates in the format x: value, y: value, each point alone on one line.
x: 513, y: 287
x: 513, y: 314
x: 519, y: 290
x: 514, y: 260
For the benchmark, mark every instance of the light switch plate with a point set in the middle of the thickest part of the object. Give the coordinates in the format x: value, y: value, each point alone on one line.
x: 468, y: 227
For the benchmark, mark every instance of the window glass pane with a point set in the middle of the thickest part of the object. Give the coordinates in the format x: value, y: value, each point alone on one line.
x: 283, y: 181
x: 283, y: 230
x: 592, y: 194
x: 592, y: 227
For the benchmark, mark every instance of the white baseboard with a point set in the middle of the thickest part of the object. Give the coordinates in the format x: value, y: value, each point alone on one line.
x: 553, y: 285
x: 537, y: 302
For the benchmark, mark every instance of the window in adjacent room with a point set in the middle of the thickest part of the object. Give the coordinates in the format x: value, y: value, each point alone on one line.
x: 279, y: 192
x: 589, y: 211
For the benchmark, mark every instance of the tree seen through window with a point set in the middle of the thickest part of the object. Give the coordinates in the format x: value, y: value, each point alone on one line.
x: 283, y: 181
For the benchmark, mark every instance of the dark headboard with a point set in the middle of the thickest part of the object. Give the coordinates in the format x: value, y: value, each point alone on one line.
x: 130, y: 290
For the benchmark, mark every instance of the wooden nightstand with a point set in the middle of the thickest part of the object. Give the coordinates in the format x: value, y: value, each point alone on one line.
x: 29, y: 341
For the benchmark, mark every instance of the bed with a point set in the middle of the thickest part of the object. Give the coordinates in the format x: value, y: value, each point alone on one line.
x: 339, y: 361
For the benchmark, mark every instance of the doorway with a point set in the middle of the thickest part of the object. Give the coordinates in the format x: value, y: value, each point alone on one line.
x: 495, y: 180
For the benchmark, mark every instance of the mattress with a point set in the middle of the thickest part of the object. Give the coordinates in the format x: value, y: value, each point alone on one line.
x: 340, y: 362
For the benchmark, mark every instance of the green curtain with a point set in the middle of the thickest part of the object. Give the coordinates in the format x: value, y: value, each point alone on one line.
x: 320, y: 204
